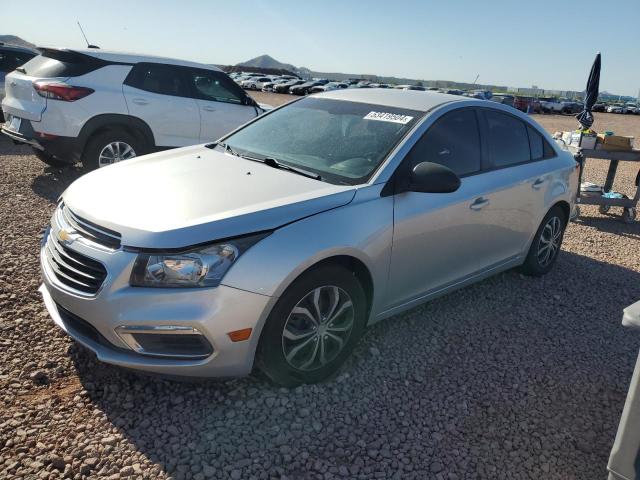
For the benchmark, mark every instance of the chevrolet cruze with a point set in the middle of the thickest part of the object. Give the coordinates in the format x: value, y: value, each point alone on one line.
x: 277, y: 245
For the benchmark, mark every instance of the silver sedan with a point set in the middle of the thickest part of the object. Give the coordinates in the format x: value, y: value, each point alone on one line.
x: 280, y: 243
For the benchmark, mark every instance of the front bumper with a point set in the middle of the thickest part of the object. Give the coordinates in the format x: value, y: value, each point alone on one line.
x: 214, y: 312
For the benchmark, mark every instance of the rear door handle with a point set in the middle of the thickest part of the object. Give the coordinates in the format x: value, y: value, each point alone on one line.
x: 479, y: 203
x: 140, y: 101
x: 209, y: 109
x: 537, y: 184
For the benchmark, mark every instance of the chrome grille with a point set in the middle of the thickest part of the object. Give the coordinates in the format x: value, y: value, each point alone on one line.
x: 74, y: 269
x: 87, y: 229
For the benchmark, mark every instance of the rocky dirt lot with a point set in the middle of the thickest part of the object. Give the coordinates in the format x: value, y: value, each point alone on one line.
x: 512, y: 378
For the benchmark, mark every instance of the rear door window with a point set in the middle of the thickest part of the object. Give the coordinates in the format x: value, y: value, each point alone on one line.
x: 158, y: 78
x: 507, y: 139
x: 453, y: 141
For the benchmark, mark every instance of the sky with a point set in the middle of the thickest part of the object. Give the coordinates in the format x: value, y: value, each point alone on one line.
x: 550, y: 44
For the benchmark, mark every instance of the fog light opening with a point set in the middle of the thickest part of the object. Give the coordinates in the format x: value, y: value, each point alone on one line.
x: 166, y: 341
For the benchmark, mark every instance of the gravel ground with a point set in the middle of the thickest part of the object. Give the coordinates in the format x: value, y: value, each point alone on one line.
x: 512, y: 378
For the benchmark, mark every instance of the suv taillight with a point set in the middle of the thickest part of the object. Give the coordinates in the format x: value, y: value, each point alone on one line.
x: 61, y: 91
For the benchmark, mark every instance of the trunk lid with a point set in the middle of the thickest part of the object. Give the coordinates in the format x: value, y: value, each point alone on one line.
x: 21, y: 99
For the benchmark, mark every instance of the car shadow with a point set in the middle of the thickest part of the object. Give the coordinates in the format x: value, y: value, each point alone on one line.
x: 611, y: 223
x: 545, y: 358
x: 53, y: 181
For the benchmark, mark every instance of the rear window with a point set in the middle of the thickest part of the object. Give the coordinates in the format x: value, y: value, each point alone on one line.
x: 10, y: 60
x: 61, y: 63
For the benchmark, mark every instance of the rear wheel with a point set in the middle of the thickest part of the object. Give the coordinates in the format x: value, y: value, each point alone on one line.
x: 313, y: 327
x: 546, y: 244
x: 109, y: 147
x: 50, y: 159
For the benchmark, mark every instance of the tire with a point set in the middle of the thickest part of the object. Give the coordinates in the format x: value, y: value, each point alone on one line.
x: 98, y: 142
x: 50, y: 159
x: 537, y: 264
x: 285, y: 360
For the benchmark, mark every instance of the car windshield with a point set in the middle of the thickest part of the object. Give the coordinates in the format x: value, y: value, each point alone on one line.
x: 343, y: 142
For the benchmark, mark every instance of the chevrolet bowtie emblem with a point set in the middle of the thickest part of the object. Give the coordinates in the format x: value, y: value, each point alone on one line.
x: 64, y: 236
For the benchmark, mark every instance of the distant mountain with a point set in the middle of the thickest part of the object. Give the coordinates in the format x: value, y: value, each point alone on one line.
x: 266, y: 61
x: 12, y: 39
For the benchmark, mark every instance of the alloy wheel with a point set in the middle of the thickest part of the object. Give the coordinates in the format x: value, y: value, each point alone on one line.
x: 549, y: 243
x: 115, y: 152
x: 318, y: 328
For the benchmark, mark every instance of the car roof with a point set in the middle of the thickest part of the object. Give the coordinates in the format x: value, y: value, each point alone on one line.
x: 389, y: 97
x: 127, y: 57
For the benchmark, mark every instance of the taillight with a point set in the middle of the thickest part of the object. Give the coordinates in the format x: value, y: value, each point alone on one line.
x: 61, y: 91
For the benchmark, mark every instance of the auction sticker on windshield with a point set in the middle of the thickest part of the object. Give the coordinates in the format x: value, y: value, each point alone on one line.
x: 388, y: 117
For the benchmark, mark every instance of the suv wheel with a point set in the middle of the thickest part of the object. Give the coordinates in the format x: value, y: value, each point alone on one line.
x: 50, y: 159
x: 546, y: 244
x: 111, y: 146
x: 313, y: 327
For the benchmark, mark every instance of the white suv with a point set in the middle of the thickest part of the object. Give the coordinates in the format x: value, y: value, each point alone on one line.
x: 101, y: 107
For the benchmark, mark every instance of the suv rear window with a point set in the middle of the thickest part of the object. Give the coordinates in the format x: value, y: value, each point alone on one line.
x: 61, y: 63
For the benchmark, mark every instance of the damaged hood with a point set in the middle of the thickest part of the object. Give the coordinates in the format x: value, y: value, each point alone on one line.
x: 194, y: 195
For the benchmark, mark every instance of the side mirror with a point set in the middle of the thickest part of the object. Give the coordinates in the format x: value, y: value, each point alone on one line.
x: 428, y: 177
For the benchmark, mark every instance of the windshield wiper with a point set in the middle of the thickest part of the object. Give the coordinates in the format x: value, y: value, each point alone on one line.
x: 272, y: 162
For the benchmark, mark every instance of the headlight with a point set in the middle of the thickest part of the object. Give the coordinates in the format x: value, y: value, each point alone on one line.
x: 200, y: 267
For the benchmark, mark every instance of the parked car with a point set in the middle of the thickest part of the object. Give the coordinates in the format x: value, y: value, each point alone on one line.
x: 279, y: 244
x: 479, y: 94
x: 599, y: 107
x: 256, y: 83
x: 527, y: 104
x: 503, y: 98
x: 550, y: 105
x: 615, y: 108
x: 268, y: 86
x: 11, y: 57
x: 284, y: 87
x: 571, y: 107
x: 303, y: 88
x: 101, y: 107
x: 328, y: 87
x: 631, y: 108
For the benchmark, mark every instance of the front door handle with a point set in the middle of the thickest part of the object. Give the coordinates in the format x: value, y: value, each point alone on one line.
x: 479, y: 203
x: 537, y: 184
x: 140, y: 101
x: 209, y: 109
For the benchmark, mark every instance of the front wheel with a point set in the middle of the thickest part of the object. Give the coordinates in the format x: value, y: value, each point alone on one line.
x: 313, y: 327
x: 546, y: 244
